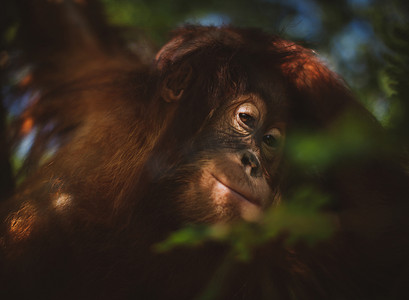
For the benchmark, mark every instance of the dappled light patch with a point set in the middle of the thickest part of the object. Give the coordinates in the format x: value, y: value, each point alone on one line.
x: 61, y: 201
x: 305, y: 68
x: 22, y: 222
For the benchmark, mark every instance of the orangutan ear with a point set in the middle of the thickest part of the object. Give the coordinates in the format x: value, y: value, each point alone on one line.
x: 176, y: 82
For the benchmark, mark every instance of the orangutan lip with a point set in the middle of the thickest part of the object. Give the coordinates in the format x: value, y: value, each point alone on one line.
x: 252, y: 201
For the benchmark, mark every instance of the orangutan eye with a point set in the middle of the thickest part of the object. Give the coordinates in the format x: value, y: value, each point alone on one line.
x: 248, y: 120
x: 270, y: 141
x: 272, y: 138
x: 247, y: 116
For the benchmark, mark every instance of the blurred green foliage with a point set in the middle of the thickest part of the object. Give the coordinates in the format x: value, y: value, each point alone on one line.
x: 345, y: 140
x: 299, y: 219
